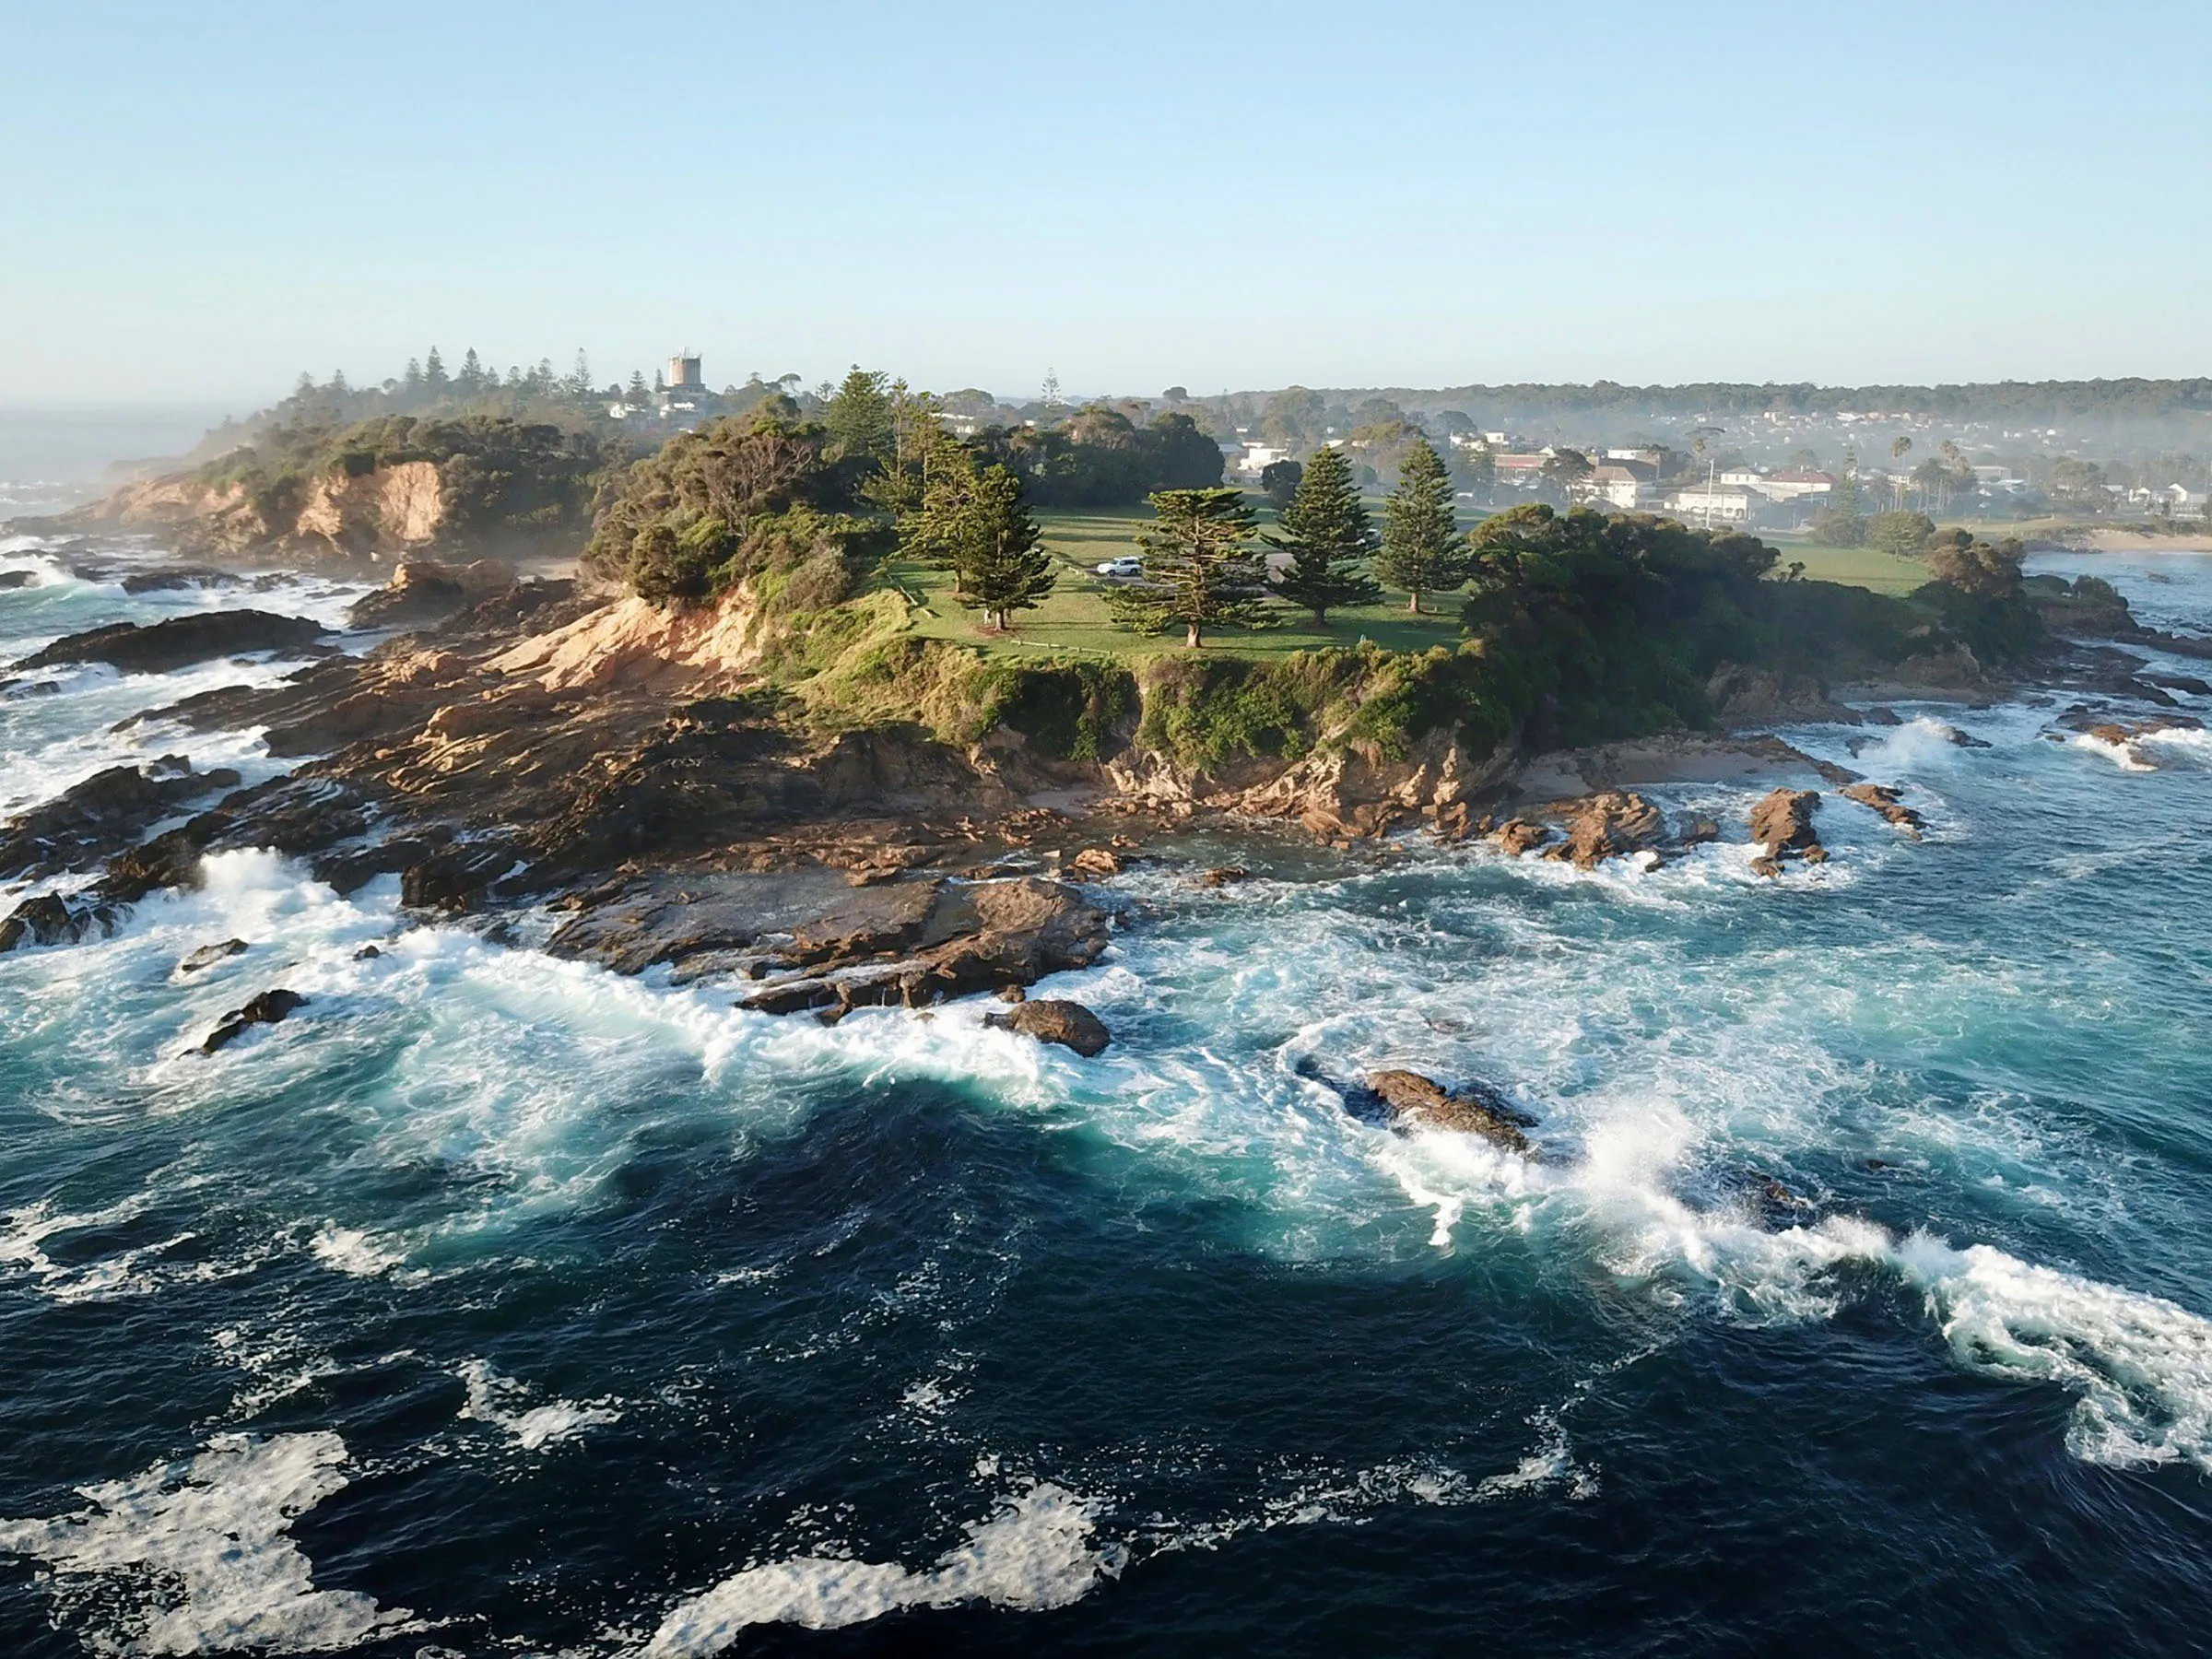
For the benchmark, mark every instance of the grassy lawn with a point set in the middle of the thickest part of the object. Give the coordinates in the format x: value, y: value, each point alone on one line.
x: 1855, y: 567
x: 1074, y: 619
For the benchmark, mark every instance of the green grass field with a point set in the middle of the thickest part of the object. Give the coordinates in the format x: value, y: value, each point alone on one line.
x: 1074, y: 619
x: 1855, y: 567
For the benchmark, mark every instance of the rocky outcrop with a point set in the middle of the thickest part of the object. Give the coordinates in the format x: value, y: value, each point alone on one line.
x: 99, y: 817
x: 268, y: 1008
x: 50, y: 919
x: 813, y: 940
x: 1887, y: 801
x: 1517, y: 836
x: 421, y: 590
x: 1696, y: 831
x: 179, y: 641
x: 1069, y: 1024
x: 1782, y: 825
x: 1340, y: 791
x: 1608, y: 826
x: 1413, y: 1101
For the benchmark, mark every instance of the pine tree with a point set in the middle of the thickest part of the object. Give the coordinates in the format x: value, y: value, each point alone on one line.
x: 1329, y: 541
x: 434, y: 380
x: 639, y: 392
x: 1007, y: 569
x: 1200, y: 568
x: 580, y: 377
x: 859, y: 416
x: 470, y: 380
x: 1423, y: 551
x: 413, y: 381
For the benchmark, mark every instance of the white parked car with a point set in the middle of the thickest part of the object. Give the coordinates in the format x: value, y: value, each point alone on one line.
x: 1115, y: 570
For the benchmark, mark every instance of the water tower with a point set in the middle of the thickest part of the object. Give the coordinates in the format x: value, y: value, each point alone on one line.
x: 683, y: 374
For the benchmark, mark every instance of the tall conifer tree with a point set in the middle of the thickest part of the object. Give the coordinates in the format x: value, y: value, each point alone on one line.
x: 1329, y: 541
x: 1423, y: 551
x: 1200, y: 567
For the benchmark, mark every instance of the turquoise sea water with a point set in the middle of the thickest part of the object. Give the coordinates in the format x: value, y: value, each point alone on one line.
x: 1857, y: 1297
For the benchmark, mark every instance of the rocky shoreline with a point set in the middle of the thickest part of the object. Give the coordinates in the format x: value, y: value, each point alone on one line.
x: 529, y: 744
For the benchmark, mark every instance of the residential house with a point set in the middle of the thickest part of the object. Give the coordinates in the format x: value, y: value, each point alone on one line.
x: 1711, y: 504
x: 1618, y: 486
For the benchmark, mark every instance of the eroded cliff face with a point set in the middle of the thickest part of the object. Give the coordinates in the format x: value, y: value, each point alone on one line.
x: 392, y: 509
x: 373, y: 516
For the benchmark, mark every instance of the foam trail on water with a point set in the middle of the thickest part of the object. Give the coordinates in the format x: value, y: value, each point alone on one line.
x: 194, y: 1559
x: 536, y: 1427
x: 1035, y: 1553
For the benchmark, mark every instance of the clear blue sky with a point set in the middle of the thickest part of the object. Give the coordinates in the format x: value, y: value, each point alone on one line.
x: 197, y: 202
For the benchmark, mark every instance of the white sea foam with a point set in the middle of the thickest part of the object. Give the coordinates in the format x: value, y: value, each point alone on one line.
x: 194, y: 1557
x: 1035, y: 1553
x: 495, y: 1399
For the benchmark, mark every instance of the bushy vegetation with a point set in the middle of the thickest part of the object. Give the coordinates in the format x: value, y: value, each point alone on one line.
x: 738, y: 499
x: 502, y: 482
x: 1100, y: 458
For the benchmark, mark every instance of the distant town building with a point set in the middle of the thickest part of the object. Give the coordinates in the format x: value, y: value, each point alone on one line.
x: 1794, y: 485
x: 1618, y: 486
x: 683, y: 374
x: 1260, y: 456
x: 1711, y: 504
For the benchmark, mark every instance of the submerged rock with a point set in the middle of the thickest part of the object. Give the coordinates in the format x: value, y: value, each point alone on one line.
x: 206, y: 955
x: 1413, y: 1099
x: 269, y: 1007
x: 1696, y: 831
x: 1224, y: 876
x: 1783, y: 824
x: 180, y: 641
x: 178, y: 576
x: 1050, y: 1019
x: 1887, y: 801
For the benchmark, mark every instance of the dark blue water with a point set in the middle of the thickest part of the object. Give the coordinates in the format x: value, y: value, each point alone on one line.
x: 494, y: 1305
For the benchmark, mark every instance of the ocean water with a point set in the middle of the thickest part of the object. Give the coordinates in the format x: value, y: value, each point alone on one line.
x: 1858, y: 1295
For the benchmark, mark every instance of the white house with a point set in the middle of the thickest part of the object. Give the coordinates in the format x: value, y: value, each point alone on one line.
x: 1259, y: 457
x: 1618, y: 486
x: 1794, y: 485
x: 1713, y: 504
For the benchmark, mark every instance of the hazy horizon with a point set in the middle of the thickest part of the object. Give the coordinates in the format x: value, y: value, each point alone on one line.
x: 203, y: 207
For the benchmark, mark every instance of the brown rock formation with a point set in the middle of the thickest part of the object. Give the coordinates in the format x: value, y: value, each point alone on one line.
x: 1783, y: 824
x: 1885, y: 800
x: 1413, y: 1099
x: 1069, y: 1024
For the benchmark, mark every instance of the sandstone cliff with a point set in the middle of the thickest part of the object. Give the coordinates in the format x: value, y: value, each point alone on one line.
x: 334, y: 517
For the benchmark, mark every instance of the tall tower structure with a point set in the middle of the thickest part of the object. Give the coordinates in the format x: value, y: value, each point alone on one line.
x: 683, y: 374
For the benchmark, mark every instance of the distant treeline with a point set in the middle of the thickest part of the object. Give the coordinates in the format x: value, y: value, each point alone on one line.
x: 2131, y: 399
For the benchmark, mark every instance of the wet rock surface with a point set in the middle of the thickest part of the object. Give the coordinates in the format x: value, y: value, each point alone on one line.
x: 1887, y: 801
x: 1611, y: 825
x: 100, y: 817
x: 180, y: 641
x: 268, y: 1009
x: 1049, y: 1020
x: 207, y: 956
x: 816, y: 941
x: 1414, y: 1100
